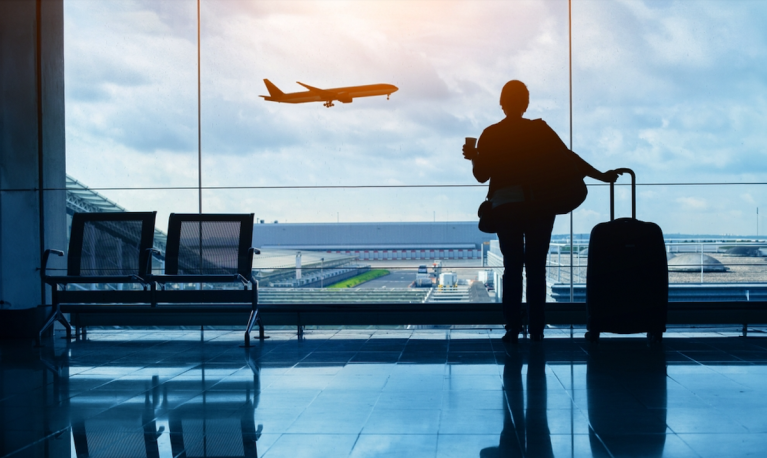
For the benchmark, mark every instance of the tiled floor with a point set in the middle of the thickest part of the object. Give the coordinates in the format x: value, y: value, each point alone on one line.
x: 365, y: 393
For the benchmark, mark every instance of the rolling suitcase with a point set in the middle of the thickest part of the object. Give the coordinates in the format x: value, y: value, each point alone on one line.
x: 626, y: 275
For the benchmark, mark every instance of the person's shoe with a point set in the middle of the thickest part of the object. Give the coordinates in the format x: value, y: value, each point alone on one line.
x: 510, y: 337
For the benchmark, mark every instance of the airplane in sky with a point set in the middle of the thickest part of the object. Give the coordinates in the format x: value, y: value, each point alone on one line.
x: 342, y: 94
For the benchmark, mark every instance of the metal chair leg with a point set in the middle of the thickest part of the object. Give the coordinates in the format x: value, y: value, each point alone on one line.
x: 251, y: 321
x: 56, y: 315
x: 67, y: 326
x: 249, y: 329
x: 52, y: 319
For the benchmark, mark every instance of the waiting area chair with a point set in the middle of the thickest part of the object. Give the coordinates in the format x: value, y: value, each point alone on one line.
x: 107, y: 252
x: 210, y: 249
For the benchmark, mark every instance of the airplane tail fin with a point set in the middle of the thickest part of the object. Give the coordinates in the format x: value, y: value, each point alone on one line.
x: 274, y: 91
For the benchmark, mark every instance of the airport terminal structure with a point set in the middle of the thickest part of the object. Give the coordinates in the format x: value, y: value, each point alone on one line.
x: 378, y: 241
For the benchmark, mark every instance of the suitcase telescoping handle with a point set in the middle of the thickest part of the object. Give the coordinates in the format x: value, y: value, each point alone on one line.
x: 633, y: 194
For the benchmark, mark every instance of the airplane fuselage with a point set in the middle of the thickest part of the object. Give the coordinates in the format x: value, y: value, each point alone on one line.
x: 341, y: 94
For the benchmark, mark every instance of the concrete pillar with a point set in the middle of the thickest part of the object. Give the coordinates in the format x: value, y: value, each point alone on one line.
x: 32, y: 155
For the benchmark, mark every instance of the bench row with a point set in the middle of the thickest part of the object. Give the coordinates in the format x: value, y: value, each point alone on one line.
x: 116, y: 250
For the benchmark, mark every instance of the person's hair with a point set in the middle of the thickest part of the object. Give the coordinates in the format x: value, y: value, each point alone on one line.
x: 515, y: 96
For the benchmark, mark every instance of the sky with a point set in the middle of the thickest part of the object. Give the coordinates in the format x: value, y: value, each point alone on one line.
x: 675, y: 90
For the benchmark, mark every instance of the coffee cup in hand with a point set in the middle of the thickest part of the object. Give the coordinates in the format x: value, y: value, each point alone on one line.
x: 470, y: 148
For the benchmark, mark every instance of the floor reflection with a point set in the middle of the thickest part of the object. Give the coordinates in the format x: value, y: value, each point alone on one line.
x: 105, y: 414
x: 627, y: 399
x: 525, y: 424
x: 211, y: 424
x: 382, y: 393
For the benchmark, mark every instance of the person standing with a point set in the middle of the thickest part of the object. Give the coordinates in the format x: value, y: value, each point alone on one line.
x: 514, y: 154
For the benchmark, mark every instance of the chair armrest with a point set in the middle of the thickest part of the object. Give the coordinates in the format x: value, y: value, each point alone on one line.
x: 251, y: 280
x: 138, y: 279
x: 46, y: 255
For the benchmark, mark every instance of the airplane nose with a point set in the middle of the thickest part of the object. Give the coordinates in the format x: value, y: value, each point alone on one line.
x: 393, y: 88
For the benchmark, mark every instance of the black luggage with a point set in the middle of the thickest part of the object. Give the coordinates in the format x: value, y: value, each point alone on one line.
x: 627, y: 275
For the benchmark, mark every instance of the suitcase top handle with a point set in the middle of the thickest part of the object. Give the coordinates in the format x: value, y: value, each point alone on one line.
x: 633, y: 193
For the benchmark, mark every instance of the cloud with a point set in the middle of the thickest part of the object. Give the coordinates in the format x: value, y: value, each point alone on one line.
x: 674, y: 90
x: 693, y: 203
x: 748, y: 198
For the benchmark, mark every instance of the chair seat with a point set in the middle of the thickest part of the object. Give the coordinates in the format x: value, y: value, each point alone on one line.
x: 105, y: 296
x: 226, y: 278
x: 206, y: 296
x: 80, y: 279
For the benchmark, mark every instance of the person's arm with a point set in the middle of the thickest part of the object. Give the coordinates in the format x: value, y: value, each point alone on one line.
x: 478, y: 162
x: 588, y: 170
x: 584, y: 167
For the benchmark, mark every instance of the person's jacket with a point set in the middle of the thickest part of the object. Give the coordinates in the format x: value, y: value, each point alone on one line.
x: 523, y: 152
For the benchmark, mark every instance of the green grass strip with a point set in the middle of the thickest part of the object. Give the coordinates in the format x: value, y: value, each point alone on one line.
x: 359, y: 279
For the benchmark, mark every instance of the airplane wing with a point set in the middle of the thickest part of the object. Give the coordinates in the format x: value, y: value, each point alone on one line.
x: 320, y: 92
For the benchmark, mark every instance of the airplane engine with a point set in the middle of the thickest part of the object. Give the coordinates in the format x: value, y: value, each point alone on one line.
x: 345, y: 99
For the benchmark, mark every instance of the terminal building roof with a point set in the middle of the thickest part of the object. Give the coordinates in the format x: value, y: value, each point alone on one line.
x: 370, y: 236
x: 286, y: 259
x: 80, y: 198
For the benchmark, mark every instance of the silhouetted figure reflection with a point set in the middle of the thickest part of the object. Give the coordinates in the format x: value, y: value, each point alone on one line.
x: 525, y: 430
x: 515, y: 154
x: 627, y: 395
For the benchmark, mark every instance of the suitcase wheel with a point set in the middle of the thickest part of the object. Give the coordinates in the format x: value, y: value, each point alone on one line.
x: 592, y: 336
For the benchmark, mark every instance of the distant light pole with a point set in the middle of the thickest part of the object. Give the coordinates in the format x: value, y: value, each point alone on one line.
x: 322, y: 272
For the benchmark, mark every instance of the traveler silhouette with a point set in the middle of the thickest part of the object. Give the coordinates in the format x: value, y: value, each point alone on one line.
x: 525, y: 425
x: 515, y: 154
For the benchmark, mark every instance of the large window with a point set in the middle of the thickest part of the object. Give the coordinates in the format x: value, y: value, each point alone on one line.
x: 673, y: 90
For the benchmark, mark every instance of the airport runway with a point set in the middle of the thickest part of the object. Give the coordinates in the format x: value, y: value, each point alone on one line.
x: 403, y: 271
x: 398, y: 278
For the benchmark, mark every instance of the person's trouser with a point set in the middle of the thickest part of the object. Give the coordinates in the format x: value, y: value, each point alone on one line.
x: 525, y: 242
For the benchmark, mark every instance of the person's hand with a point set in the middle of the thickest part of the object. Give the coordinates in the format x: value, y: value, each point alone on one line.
x: 469, y: 152
x: 611, y: 176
